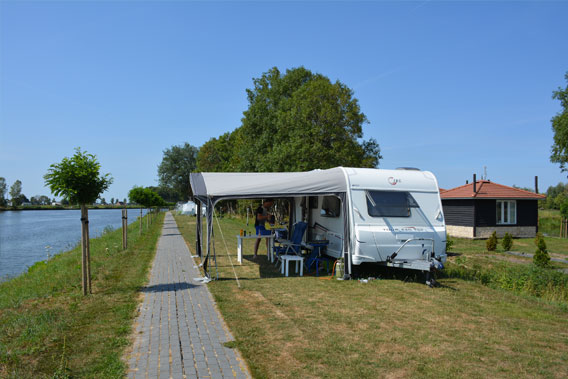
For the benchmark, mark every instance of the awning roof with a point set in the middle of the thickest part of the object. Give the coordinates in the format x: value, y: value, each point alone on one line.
x: 267, y: 184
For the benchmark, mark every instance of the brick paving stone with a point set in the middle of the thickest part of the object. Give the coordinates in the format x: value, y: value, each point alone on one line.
x: 179, y: 333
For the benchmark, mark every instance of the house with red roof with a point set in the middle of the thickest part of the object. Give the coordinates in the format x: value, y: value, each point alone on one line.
x: 477, y: 209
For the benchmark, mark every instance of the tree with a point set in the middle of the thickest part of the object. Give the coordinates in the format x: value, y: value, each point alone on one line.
x: 302, y: 121
x: 491, y: 243
x: 166, y: 193
x: 112, y: 200
x: 3, y: 189
x: 145, y: 197
x: 560, y: 128
x: 79, y: 180
x: 217, y: 154
x: 15, y: 192
x: 178, y: 162
x: 541, y: 257
x: 507, y: 242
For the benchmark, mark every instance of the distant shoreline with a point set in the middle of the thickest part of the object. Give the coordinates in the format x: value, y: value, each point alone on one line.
x: 66, y: 208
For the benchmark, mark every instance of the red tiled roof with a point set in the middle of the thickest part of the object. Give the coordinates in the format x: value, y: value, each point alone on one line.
x: 489, y: 190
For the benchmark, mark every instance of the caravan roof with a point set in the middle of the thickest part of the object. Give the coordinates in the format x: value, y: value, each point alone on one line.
x: 226, y: 185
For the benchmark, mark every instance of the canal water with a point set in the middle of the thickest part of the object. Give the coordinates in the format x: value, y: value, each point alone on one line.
x: 27, y: 237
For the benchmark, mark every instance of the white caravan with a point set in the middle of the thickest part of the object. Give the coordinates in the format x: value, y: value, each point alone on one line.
x: 389, y: 217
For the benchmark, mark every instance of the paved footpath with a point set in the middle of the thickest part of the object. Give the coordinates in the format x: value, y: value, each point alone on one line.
x: 179, y: 332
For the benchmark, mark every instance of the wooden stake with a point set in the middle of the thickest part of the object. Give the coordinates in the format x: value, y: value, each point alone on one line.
x: 147, y: 220
x: 124, y: 229
x: 140, y: 221
x: 84, y: 243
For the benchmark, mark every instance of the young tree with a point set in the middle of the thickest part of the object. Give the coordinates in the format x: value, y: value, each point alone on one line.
x: 541, y: 257
x: 79, y: 180
x: 178, y: 162
x: 3, y: 189
x: 145, y: 197
x: 491, y: 243
x: 560, y: 128
x: 15, y: 192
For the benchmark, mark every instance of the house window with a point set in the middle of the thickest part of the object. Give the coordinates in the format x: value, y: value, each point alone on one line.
x: 506, y: 212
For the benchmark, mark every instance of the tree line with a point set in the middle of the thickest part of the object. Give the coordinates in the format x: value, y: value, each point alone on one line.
x: 295, y: 121
x: 17, y: 197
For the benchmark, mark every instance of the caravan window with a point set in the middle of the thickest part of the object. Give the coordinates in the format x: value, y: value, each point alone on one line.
x: 389, y: 203
x: 330, y: 206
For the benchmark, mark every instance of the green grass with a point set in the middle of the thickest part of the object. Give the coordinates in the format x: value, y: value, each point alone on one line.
x: 549, y: 222
x: 470, y: 260
x: 307, y: 326
x: 48, y: 329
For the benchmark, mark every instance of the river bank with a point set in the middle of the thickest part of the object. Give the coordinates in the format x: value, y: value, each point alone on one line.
x: 50, y: 330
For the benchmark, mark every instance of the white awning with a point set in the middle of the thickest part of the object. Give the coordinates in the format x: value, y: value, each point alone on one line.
x: 217, y: 185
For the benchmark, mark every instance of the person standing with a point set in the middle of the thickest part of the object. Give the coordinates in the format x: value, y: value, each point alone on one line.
x: 261, y: 216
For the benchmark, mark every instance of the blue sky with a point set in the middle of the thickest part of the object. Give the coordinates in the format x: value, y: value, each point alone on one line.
x: 448, y: 87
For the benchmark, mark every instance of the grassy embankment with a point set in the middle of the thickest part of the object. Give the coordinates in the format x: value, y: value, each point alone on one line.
x: 48, y: 329
x: 312, y: 327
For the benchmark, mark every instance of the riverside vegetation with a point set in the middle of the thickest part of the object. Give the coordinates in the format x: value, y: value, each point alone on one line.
x: 320, y: 327
x: 50, y: 330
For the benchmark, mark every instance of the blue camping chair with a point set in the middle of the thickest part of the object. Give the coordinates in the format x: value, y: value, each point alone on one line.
x: 292, y: 246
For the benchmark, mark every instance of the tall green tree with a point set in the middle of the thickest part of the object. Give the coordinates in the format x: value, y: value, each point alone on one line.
x: 560, y: 128
x: 15, y: 193
x: 79, y: 180
x: 218, y: 154
x: 302, y: 121
x: 177, y: 163
x: 3, y: 189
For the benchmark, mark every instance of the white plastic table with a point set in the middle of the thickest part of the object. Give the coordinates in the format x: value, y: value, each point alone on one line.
x: 240, y: 245
x: 286, y: 260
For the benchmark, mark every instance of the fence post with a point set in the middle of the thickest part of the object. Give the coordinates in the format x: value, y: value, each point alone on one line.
x: 84, y: 247
x: 124, y: 229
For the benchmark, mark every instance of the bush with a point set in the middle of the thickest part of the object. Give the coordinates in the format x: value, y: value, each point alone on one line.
x: 540, y: 243
x: 526, y: 279
x: 541, y: 257
x: 491, y: 243
x: 449, y: 242
x: 507, y: 242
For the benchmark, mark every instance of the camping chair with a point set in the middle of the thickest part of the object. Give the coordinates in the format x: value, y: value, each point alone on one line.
x: 292, y: 246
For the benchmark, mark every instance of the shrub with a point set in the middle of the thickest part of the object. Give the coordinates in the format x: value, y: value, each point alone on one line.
x: 491, y: 243
x: 449, y: 242
x: 507, y: 242
x: 540, y: 243
x: 541, y: 257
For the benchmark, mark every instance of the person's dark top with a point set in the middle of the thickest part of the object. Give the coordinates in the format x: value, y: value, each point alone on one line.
x: 260, y: 211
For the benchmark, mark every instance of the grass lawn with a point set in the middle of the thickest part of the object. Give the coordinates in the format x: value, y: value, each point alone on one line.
x: 549, y: 222
x: 48, y: 329
x: 313, y: 327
